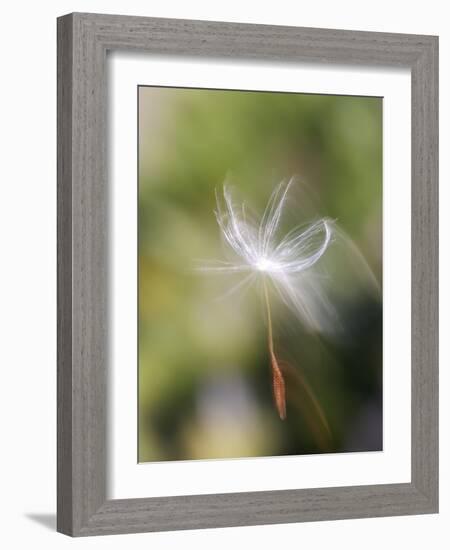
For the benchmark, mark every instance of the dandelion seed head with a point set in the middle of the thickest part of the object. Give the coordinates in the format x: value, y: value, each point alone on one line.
x: 260, y: 249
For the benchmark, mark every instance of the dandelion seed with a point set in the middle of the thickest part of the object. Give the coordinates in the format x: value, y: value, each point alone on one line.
x: 285, y: 263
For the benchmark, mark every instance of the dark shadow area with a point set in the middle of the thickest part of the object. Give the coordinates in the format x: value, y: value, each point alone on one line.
x: 46, y: 520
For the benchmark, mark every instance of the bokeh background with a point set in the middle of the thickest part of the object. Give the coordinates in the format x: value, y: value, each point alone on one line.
x: 204, y: 376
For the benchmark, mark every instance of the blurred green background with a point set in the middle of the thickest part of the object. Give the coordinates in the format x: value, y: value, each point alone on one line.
x: 204, y: 376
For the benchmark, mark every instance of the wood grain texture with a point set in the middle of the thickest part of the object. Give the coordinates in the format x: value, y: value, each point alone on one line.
x: 64, y: 297
x: 83, y: 41
x: 424, y: 277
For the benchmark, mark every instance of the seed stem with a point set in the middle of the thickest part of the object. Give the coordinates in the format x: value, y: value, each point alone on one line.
x: 278, y: 385
x: 269, y: 319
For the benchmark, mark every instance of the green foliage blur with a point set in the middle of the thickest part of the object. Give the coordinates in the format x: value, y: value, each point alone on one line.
x: 204, y: 371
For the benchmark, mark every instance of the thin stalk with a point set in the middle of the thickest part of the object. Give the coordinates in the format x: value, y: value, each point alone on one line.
x: 278, y: 385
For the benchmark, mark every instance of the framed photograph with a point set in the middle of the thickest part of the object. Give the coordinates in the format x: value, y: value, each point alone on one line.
x: 247, y: 274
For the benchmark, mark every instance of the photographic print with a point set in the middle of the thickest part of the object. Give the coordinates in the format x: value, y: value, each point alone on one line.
x: 260, y: 274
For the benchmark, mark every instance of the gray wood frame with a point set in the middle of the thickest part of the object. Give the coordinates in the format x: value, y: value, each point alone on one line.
x: 83, y: 41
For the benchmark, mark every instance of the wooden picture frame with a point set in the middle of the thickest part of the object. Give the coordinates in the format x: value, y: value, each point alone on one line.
x: 83, y: 41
